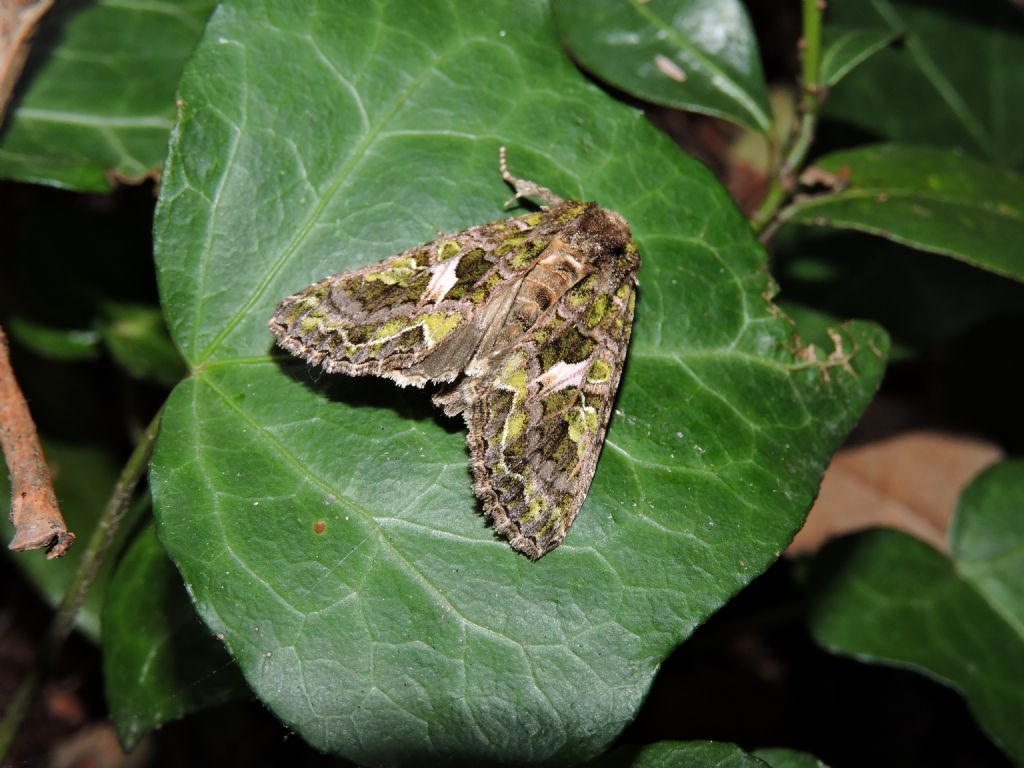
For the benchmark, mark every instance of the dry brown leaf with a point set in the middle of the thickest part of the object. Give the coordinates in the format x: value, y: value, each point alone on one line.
x: 911, y: 482
x: 35, y: 512
x: 96, y: 745
x: 18, y: 21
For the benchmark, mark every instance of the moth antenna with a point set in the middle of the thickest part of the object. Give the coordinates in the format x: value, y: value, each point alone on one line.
x: 523, y: 187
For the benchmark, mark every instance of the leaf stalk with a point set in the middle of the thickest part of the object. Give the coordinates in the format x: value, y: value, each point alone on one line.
x: 97, y: 549
x: 783, y: 180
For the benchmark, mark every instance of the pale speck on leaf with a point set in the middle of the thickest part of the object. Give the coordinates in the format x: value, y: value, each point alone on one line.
x: 669, y: 68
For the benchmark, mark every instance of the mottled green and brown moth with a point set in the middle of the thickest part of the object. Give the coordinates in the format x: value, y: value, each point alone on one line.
x: 525, y: 321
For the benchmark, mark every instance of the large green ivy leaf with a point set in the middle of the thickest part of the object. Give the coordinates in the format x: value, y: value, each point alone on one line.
x: 884, y: 596
x: 325, y: 526
x: 96, y: 99
x: 932, y: 199
x: 159, y: 662
x: 956, y: 79
x: 687, y: 54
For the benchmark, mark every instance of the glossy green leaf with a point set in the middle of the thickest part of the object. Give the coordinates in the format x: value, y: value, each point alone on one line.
x: 845, y: 48
x: 932, y: 199
x: 672, y: 754
x: 137, y: 338
x: 779, y: 757
x: 687, y: 54
x: 987, y: 539
x: 883, y: 596
x: 83, y: 477
x: 325, y: 525
x: 159, y: 662
x: 96, y: 99
x: 955, y: 79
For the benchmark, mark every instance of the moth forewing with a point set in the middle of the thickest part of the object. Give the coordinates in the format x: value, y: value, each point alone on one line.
x: 526, y: 320
x: 535, y: 446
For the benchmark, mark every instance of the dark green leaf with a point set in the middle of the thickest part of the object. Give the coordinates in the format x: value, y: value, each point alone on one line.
x: 671, y: 754
x: 883, y: 596
x: 847, y: 47
x: 956, y: 79
x: 137, y: 338
x: 54, y: 343
x: 987, y: 539
x: 932, y: 199
x: 83, y: 477
x: 326, y: 525
x: 688, y: 54
x: 159, y: 662
x: 926, y: 304
x: 96, y: 100
x: 815, y: 327
x: 778, y: 757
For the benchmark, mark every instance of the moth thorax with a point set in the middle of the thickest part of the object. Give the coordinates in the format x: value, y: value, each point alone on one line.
x: 555, y: 273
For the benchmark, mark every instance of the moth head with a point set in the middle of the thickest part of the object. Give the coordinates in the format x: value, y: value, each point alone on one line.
x: 600, y: 233
x: 603, y: 239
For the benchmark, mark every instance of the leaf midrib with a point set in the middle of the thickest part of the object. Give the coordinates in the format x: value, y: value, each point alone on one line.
x: 61, y: 117
x: 1012, y: 214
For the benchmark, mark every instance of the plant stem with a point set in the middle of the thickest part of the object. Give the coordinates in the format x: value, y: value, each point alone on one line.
x: 63, y: 621
x: 810, y: 105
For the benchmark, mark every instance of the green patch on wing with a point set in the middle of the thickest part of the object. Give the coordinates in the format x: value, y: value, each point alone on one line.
x: 437, y: 325
x: 529, y: 253
x: 597, y: 311
x: 513, y: 375
x: 391, y: 286
x: 600, y: 373
x: 558, y: 402
x: 395, y: 272
x: 472, y: 266
x: 583, y: 293
x: 570, y: 346
x: 581, y: 421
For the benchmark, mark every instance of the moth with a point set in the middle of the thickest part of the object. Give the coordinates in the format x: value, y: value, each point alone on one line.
x: 525, y: 324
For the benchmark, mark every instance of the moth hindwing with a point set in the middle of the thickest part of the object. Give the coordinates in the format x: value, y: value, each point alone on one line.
x: 525, y: 322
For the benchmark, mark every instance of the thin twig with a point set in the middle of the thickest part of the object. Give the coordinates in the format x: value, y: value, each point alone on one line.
x: 104, y: 533
x: 18, y: 22
x: 95, y: 553
x: 34, y: 509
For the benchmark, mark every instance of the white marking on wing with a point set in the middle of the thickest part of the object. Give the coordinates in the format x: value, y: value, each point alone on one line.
x: 442, y: 278
x: 562, y: 375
